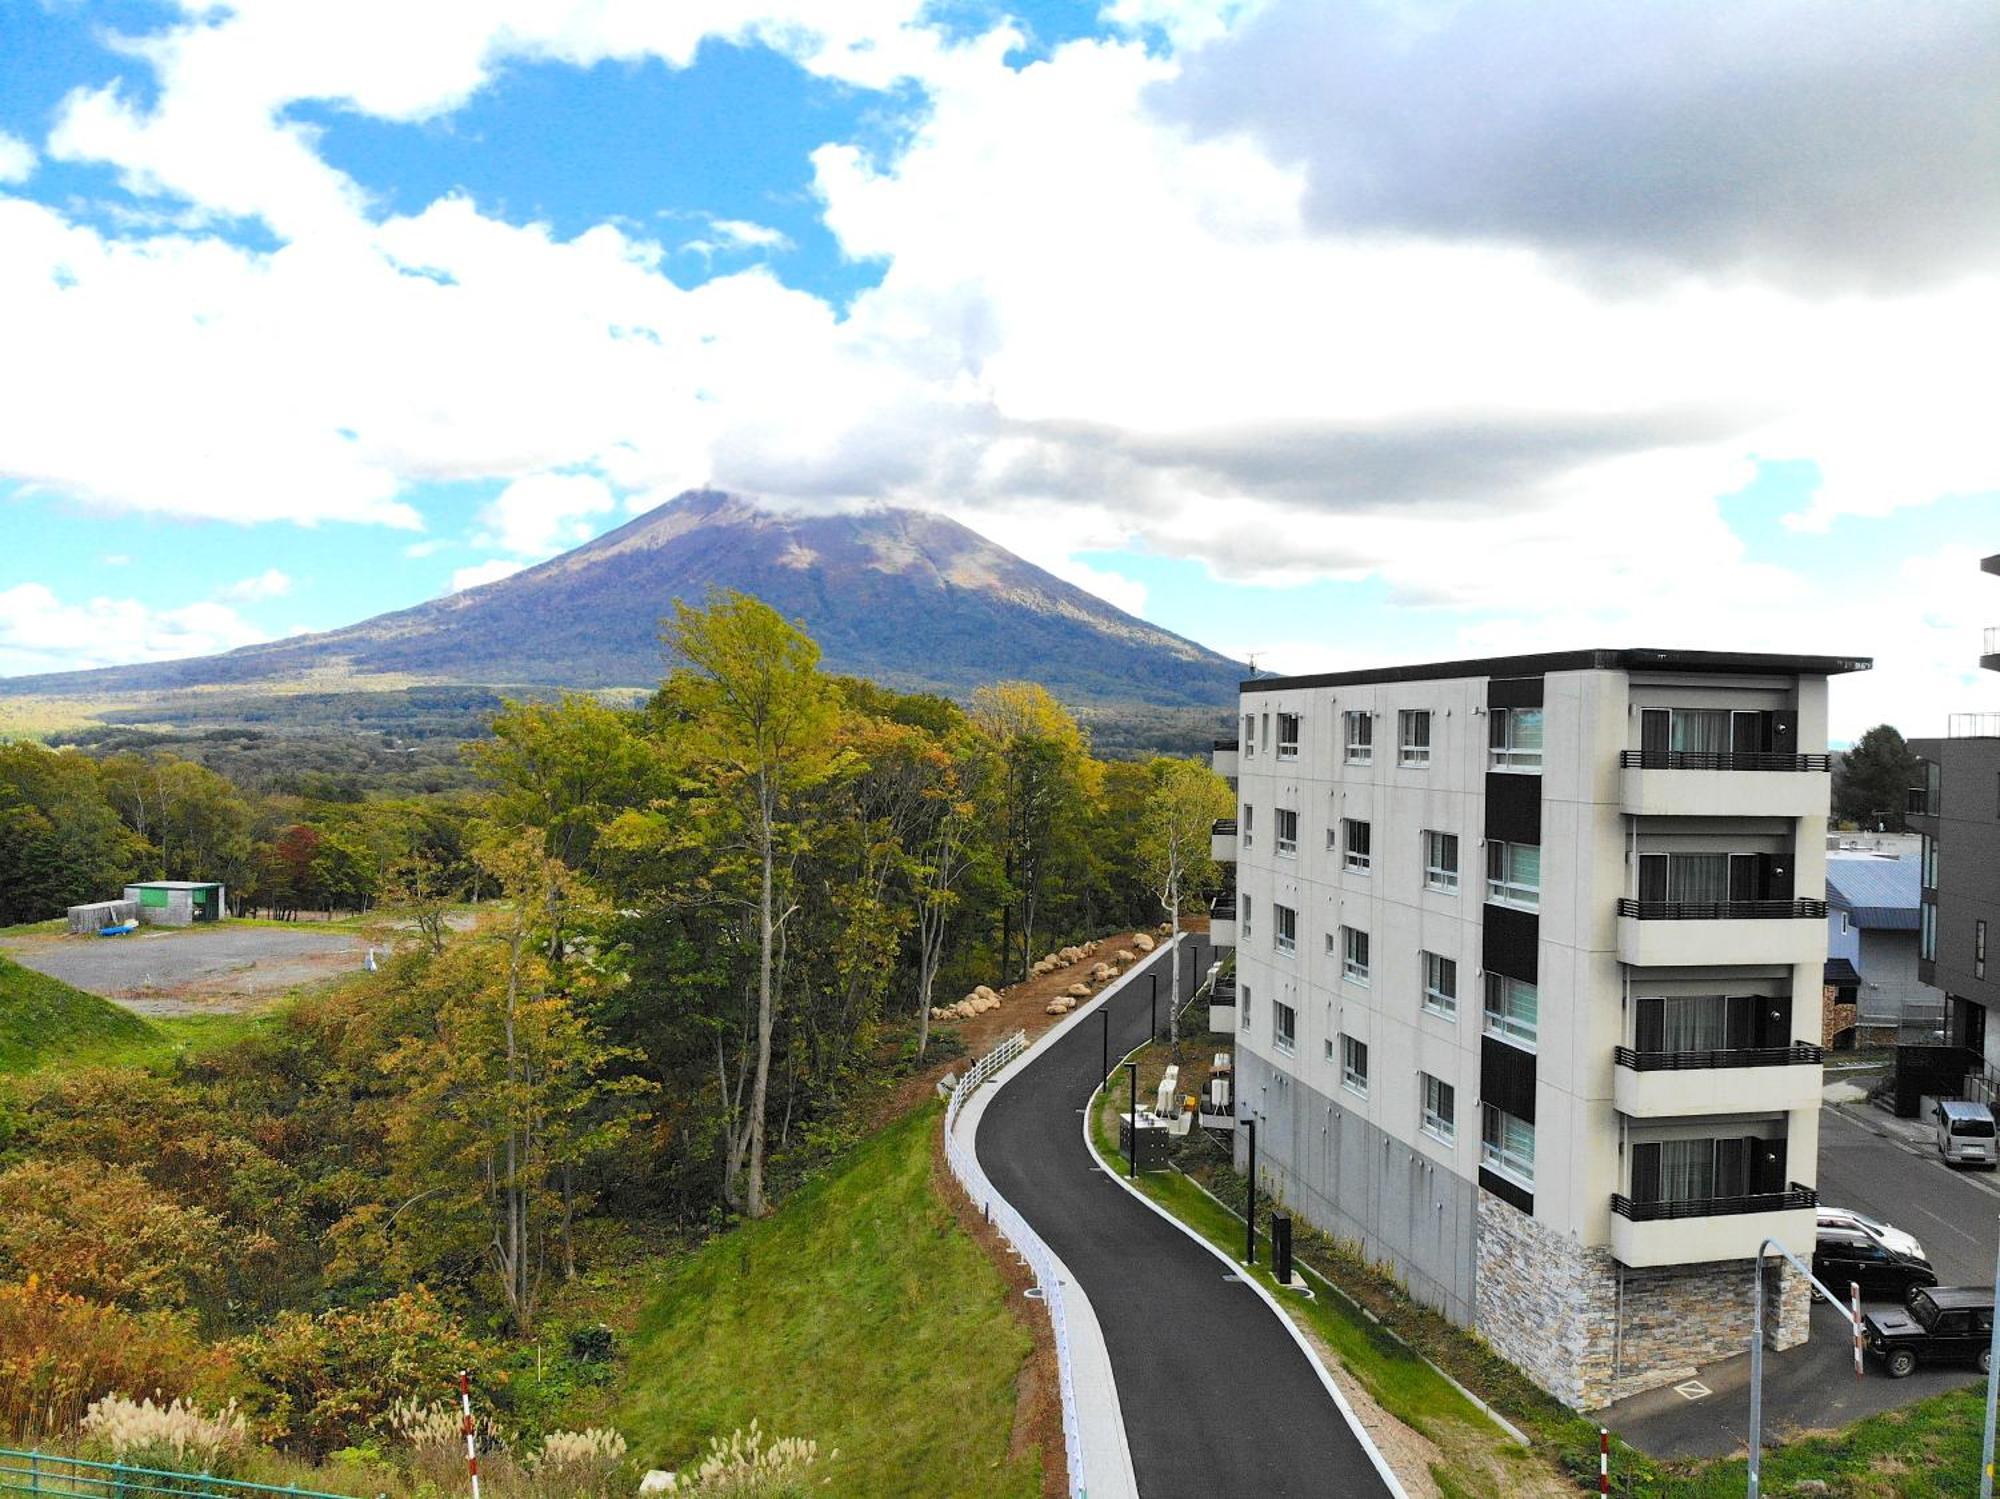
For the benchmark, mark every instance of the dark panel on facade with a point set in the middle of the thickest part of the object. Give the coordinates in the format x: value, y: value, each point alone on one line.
x: 1507, y: 943
x: 1757, y: 663
x: 1507, y: 1078
x: 1506, y: 1191
x: 1514, y: 692
x: 1513, y: 807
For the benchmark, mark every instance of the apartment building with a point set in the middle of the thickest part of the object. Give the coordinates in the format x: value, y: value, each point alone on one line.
x: 1957, y: 810
x: 1529, y: 956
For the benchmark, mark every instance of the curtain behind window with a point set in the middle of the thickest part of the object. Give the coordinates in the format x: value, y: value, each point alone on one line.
x: 1703, y: 731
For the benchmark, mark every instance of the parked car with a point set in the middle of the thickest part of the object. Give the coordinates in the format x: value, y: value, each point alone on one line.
x: 1965, y: 1133
x: 1886, y: 1233
x: 1941, y: 1324
x: 1849, y: 1255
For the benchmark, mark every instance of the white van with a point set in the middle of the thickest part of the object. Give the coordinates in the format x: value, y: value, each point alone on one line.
x: 1965, y: 1133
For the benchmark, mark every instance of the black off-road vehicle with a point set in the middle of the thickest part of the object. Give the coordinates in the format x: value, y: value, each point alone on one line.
x: 1941, y: 1324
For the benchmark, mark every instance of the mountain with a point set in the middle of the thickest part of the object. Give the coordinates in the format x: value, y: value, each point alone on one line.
x: 906, y: 597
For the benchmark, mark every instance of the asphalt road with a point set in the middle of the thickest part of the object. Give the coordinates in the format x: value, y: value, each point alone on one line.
x: 1217, y: 1397
x: 164, y: 971
x: 1861, y: 1165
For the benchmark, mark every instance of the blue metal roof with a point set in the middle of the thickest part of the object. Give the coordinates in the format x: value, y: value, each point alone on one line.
x: 1879, y: 894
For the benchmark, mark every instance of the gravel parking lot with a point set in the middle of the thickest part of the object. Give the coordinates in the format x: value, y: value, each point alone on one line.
x: 192, y: 970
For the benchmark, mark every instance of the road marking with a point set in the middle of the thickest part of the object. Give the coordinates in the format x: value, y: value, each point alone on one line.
x: 1694, y: 1389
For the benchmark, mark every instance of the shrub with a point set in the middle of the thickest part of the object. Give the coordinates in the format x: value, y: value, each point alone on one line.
x: 59, y: 1352
x: 742, y: 1466
x: 331, y: 1380
x: 106, y: 1233
x: 179, y: 1436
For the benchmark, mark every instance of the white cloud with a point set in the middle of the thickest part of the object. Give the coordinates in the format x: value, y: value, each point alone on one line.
x: 545, y: 513
x: 481, y: 573
x: 39, y: 632
x: 115, y: 559
x: 741, y: 234
x: 269, y: 584
x: 424, y: 548
x: 17, y: 159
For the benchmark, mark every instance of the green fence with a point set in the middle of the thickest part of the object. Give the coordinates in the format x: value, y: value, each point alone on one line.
x: 48, y: 1476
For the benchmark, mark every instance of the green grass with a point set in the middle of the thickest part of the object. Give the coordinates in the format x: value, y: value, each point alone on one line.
x: 859, y: 1315
x: 44, y: 1021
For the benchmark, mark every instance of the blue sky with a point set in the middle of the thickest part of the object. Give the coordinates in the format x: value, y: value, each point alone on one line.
x: 320, y: 314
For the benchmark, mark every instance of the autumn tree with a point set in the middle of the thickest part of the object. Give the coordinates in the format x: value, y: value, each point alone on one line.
x: 1174, y: 840
x: 754, y: 720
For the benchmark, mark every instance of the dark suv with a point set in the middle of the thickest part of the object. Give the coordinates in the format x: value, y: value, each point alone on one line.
x: 1844, y: 1256
x: 1941, y: 1323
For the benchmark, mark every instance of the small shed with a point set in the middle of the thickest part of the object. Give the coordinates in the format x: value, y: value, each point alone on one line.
x: 177, y: 902
x: 99, y: 914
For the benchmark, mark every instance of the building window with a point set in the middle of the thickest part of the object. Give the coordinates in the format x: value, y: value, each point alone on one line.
x: 1359, y: 738
x: 1354, y: 1065
x: 1514, y: 739
x: 1507, y: 1145
x: 1695, y: 1170
x: 1414, y: 736
x: 1512, y: 1010
x: 1927, y: 934
x: 1284, y: 928
x: 1243, y: 914
x: 1440, y: 860
x: 1288, y: 830
x: 1246, y: 825
x: 1514, y: 874
x: 1440, y: 985
x: 1288, y: 736
x: 1930, y: 862
x: 1327, y: 1046
x: 1353, y: 955
x: 1979, y: 949
x: 1284, y: 1027
x: 1249, y: 736
x: 1440, y: 1109
x: 1355, y: 836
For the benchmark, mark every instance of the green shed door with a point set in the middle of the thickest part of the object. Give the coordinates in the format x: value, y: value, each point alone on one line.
x: 155, y: 898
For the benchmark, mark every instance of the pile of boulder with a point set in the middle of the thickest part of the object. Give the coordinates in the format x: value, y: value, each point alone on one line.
x: 978, y: 1002
x: 1105, y: 969
x: 1063, y: 957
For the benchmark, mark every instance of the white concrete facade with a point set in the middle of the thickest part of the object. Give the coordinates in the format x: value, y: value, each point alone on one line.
x: 1606, y: 1092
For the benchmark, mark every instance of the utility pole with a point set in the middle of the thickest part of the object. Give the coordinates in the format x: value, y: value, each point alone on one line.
x: 1992, y: 1396
x: 1104, y: 1014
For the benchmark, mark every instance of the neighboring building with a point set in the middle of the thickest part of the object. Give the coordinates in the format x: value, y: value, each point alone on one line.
x: 177, y: 902
x: 1527, y: 992
x: 97, y: 915
x: 1872, y: 919
x: 1957, y: 811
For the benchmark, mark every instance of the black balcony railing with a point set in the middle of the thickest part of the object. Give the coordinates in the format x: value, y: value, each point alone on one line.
x: 1720, y: 760
x: 1224, y: 827
x: 1714, y: 1207
x: 1224, y: 992
x: 1722, y: 910
x: 1225, y: 744
x: 1797, y: 1053
x: 1224, y: 909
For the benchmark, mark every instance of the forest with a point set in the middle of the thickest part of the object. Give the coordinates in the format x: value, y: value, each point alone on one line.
x: 646, y: 977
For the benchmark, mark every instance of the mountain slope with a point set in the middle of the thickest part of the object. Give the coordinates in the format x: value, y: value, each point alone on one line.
x: 909, y: 598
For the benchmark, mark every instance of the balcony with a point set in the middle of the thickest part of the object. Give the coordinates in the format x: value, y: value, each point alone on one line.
x: 1668, y: 933
x: 1972, y: 726
x: 1222, y: 922
x: 1702, y: 1230
x: 1695, y: 783
x: 1222, y: 841
x: 1222, y: 1005
x: 1663, y: 1084
x: 1223, y: 758
x: 1989, y: 655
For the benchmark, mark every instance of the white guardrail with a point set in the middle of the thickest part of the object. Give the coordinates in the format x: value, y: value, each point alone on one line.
x: 1027, y: 1243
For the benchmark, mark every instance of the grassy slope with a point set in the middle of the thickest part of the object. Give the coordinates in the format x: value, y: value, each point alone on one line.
x: 859, y: 1315
x: 43, y: 1020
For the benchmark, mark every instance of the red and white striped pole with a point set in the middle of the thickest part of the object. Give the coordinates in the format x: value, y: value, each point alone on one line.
x: 465, y: 1407
x: 1854, y: 1290
x: 1603, y: 1460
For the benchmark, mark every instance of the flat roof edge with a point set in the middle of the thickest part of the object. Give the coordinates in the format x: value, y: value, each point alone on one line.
x: 1630, y: 659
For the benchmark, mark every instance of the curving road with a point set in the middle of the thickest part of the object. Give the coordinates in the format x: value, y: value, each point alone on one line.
x: 1218, y: 1399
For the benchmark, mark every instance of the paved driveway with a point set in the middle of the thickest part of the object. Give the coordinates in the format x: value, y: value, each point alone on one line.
x: 1862, y: 1164
x: 1217, y: 1397
x: 178, y: 971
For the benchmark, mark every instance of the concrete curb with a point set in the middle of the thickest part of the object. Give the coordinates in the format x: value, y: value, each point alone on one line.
x: 1107, y: 1454
x: 1382, y: 1468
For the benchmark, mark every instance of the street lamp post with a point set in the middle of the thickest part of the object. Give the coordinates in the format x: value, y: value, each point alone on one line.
x: 1992, y: 1395
x: 1756, y: 1489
